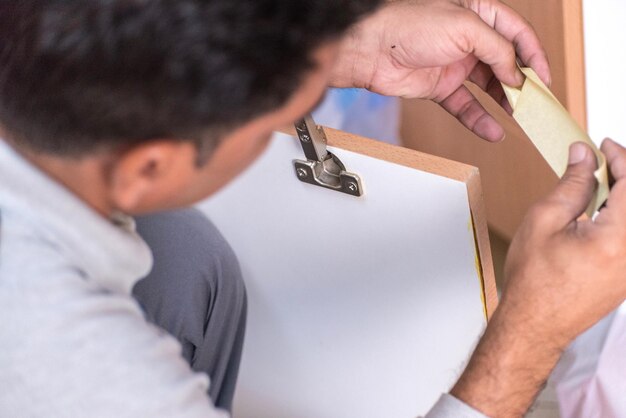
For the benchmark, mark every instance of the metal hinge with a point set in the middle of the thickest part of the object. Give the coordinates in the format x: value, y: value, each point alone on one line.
x: 322, y: 168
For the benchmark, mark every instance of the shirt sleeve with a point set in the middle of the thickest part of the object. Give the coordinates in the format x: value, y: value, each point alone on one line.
x: 590, y: 378
x: 450, y: 407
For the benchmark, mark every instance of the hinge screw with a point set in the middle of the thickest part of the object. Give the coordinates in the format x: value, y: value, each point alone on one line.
x: 302, y: 173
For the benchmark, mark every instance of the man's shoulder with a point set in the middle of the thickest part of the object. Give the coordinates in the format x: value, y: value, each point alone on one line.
x: 77, y: 346
x: 44, y: 292
x: 32, y: 265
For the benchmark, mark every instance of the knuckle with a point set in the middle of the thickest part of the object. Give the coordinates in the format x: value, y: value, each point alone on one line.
x: 578, y: 179
x: 471, y: 29
x: 509, y: 49
x: 618, y: 164
x: 573, y: 188
x: 621, y: 153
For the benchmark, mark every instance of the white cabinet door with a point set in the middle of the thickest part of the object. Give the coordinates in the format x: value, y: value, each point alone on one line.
x: 358, y: 307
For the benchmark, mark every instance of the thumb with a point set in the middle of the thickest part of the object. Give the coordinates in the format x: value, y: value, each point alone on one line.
x: 575, y: 189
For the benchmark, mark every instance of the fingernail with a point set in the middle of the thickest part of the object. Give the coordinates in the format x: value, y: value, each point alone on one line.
x: 577, y: 153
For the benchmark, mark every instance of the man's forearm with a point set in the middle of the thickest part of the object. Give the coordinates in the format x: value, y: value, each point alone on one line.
x: 509, y: 367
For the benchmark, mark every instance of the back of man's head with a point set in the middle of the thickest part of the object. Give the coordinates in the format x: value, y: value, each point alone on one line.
x: 78, y: 76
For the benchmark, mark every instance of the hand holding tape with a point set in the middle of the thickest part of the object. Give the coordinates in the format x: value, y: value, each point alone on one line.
x: 552, y: 130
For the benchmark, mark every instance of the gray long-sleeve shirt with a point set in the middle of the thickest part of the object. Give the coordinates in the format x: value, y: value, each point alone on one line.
x: 73, y: 341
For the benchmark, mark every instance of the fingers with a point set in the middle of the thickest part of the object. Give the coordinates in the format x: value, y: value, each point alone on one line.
x: 484, y: 78
x: 495, y: 50
x: 616, y: 203
x: 574, y: 191
x: 615, y: 157
x: 515, y: 29
x: 463, y: 105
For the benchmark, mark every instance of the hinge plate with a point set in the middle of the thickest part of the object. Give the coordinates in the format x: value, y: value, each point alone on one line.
x: 322, y: 168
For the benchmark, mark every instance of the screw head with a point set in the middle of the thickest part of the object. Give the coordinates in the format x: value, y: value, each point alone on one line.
x: 353, y: 187
x: 305, y: 138
x: 302, y: 173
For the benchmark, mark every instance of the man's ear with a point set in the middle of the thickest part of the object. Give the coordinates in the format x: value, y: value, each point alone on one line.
x: 143, y: 178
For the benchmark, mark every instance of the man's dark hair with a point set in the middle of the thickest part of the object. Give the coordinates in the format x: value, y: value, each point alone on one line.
x: 80, y: 75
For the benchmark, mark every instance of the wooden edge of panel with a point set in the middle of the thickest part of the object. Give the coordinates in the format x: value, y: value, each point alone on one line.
x: 441, y: 167
x: 574, y: 50
x: 396, y: 154
x: 483, y: 245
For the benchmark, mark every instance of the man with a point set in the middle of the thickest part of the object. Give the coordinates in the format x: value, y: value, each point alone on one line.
x: 118, y: 107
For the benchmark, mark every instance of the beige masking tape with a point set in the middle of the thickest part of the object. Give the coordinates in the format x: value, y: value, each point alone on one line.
x: 552, y: 130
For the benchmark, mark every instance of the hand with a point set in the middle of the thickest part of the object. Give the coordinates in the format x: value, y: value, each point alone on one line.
x: 570, y: 270
x: 428, y: 48
x: 563, y: 274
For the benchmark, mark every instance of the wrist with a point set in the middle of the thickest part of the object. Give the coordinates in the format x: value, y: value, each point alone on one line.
x: 509, y: 367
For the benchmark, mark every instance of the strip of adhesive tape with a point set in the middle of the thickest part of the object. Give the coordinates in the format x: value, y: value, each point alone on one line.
x: 552, y: 130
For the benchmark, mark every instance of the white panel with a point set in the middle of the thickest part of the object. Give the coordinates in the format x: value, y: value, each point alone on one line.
x: 358, y: 307
x: 605, y: 56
